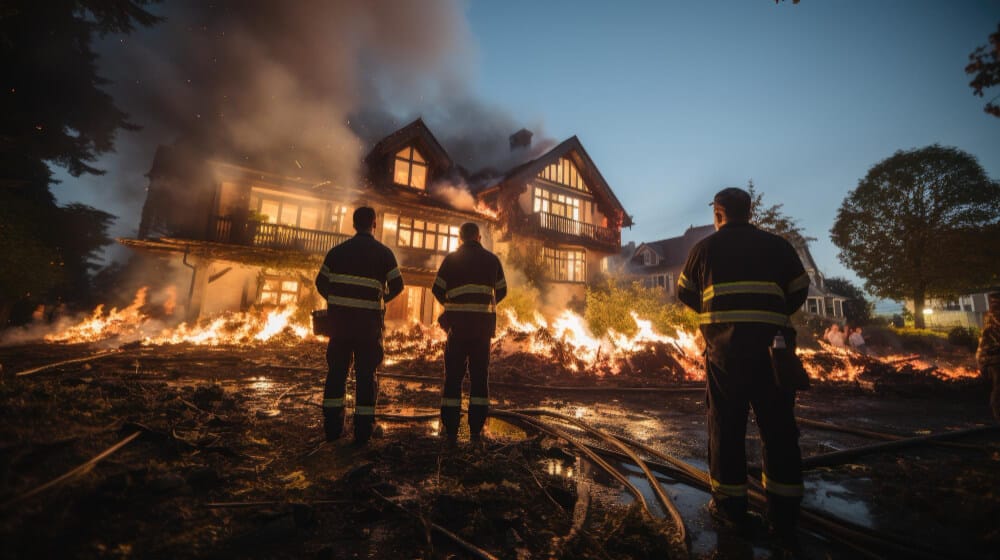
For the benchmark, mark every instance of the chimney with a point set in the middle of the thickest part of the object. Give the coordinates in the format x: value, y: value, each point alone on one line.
x: 520, y: 139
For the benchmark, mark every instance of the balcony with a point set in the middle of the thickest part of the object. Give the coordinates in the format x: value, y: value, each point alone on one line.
x: 573, y: 231
x: 273, y: 236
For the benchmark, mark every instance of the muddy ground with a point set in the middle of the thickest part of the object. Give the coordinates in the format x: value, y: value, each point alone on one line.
x: 229, y: 463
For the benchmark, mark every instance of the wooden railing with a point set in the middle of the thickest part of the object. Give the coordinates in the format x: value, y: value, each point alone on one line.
x: 273, y: 236
x: 605, y: 237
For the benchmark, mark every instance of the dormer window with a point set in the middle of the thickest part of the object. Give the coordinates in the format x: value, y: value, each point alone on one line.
x: 410, y: 169
x: 648, y: 258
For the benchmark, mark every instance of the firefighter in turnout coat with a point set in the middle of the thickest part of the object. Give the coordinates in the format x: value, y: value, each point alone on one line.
x: 745, y: 283
x: 469, y: 284
x: 988, y: 353
x: 357, y: 278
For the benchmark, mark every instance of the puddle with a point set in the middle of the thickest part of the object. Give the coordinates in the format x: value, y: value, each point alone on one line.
x: 838, y: 500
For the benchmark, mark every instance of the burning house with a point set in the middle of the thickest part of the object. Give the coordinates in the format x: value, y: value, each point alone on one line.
x: 255, y: 236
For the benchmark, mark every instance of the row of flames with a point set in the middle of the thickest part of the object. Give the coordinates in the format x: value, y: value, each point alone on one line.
x: 580, y: 350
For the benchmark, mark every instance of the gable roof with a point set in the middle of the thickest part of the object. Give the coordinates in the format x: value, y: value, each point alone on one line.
x: 572, y: 149
x: 415, y: 132
x: 673, y: 251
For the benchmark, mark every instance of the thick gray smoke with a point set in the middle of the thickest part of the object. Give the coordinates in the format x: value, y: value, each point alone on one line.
x: 300, y: 87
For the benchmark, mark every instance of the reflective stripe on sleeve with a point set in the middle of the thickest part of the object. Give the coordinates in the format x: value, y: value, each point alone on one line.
x: 800, y: 283
x: 440, y: 283
x: 364, y: 411
x: 451, y: 403
x: 355, y: 280
x: 482, y: 401
x: 333, y: 403
x: 472, y: 307
x: 780, y: 488
x: 393, y: 274
x: 469, y: 289
x: 354, y: 302
x: 501, y: 283
x: 726, y: 288
x: 683, y: 282
x: 743, y: 316
x: 731, y: 490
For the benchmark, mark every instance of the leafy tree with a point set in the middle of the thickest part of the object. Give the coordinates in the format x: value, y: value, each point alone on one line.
x: 773, y: 219
x: 53, y: 110
x: 857, y: 309
x: 921, y: 224
x: 984, y: 66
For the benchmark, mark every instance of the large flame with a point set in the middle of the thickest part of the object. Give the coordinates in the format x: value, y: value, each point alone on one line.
x: 564, y: 341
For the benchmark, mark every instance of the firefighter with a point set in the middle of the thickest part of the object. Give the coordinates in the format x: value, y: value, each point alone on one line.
x: 988, y: 352
x: 469, y: 284
x: 745, y: 283
x: 357, y: 278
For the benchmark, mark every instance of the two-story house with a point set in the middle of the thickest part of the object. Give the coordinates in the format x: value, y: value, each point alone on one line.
x: 247, y: 236
x: 559, y: 207
x: 658, y: 264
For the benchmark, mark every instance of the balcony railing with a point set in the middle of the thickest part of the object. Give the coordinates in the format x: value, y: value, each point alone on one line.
x: 273, y: 236
x: 605, y: 237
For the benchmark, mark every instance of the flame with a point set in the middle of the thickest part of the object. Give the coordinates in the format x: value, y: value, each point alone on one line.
x: 100, y: 326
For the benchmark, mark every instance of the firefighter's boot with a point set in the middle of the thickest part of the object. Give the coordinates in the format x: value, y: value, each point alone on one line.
x: 333, y: 422
x: 783, y: 514
x: 364, y: 424
x: 451, y: 413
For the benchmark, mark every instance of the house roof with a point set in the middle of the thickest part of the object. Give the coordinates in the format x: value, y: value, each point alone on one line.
x: 572, y: 149
x: 417, y: 132
x: 673, y: 251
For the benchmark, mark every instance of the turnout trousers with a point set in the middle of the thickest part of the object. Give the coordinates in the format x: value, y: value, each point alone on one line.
x: 750, y: 384
x: 366, y: 354
x: 461, y: 355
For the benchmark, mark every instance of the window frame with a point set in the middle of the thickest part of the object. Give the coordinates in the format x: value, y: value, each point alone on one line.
x: 565, y: 265
x: 408, y: 225
x: 412, y: 159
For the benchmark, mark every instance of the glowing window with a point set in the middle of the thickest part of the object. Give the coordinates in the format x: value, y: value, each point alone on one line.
x: 565, y: 173
x: 421, y: 234
x: 279, y: 291
x: 565, y: 265
x: 556, y: 203
x: 410, y: 168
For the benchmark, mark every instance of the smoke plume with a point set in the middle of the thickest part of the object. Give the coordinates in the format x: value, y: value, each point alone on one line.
x: 302, y: 88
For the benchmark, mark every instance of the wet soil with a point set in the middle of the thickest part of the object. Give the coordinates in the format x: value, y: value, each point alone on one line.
x: 229, y: 462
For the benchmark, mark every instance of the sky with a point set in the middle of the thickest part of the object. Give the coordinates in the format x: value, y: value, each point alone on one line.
x: 676, y: 100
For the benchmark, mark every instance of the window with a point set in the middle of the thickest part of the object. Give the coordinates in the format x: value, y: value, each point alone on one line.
x: 274, y: 208
x: 558, y: 204
x: 565, y: 265
x: 564, y: 173
x: 279, y: 291
x: 648, y: 258
x: 421, y: 234
x: 410, y: 169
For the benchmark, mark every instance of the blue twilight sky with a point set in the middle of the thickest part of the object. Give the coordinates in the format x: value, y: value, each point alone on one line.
x: 677, y: 99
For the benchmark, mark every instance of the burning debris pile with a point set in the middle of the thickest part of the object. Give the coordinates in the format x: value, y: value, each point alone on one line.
x: 539, y: 351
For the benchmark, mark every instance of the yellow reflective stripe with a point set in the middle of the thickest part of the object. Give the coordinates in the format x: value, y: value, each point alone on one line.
x: 683, y: 282
x: 479, y: 400
x: 743, y: 316
x: 364, y: 411
x: 732, y: 490
x: 476, y: 307
x: 355, y: 280
x: 440, y: 283
x: 780, y: 488
x: 393, y: 274
x: 451, y: 402
x: 726, y: 288
x: 469, y: 289
x: 333, y: 403
x: 354, y: 302
x: 501, y: 283
x: 800, y: 283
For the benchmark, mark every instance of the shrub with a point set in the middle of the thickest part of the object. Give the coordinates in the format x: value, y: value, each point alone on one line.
x: 964, y: 337
x: 920, y: 340
x: 522, y: 300
x: 610, y: 307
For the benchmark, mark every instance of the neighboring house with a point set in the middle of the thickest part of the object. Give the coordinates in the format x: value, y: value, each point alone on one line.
x: 559, y: 207
x: 256, y: 237
x: 658, y: 264
x: 964, y: 311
